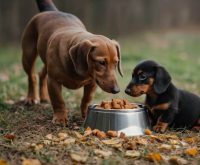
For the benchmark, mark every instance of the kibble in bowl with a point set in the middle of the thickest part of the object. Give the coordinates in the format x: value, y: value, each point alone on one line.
x: 117, y: 104
x: 117, y: 115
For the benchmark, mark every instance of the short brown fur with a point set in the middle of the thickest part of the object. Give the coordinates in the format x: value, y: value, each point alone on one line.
x: 72, y: 57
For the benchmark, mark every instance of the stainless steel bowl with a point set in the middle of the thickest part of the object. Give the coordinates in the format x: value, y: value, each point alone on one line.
x: 132, y: 122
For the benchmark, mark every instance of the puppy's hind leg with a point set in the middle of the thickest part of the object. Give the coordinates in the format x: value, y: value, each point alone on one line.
x: 29, y: 50
x: 196, y: 126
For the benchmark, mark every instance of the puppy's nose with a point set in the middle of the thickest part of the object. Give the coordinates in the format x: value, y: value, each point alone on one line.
x: 115, y: 90
x: 128, y: 91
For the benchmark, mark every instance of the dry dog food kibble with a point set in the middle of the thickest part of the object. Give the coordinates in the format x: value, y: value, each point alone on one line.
x: 117, y: 104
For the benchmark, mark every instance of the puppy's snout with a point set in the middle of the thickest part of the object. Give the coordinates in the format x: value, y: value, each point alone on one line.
x: 115, y: 90
x: 128, y: 91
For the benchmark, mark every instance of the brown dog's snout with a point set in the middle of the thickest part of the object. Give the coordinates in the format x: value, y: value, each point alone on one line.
x: 108, y: 86
x: 115, y: 89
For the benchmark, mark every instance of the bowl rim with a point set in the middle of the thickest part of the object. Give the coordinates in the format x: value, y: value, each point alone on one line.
x: 94, y: 108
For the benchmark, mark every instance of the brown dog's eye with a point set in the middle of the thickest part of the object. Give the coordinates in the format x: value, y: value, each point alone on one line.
x: 103, y: 63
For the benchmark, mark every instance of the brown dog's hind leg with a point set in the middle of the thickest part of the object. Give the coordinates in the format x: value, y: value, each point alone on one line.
x: 55, y: 94
x: 28, y: 61
x: 87, y: 97
x: 44, y: 96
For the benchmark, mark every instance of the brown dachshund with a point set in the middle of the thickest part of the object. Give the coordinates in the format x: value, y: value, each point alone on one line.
x: 72, y: 57
x: 168, y: 106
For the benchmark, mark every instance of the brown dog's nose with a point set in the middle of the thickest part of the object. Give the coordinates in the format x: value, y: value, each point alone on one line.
x: 115, y: 90
x: 128, y: 91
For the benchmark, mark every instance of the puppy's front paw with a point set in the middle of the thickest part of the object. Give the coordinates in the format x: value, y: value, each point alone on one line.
x: 60, y: 118
x: 160, y: 127
x: 196, y: 128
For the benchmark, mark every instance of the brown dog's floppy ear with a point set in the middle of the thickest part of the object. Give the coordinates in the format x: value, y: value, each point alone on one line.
x: 79, y: 55
x: 119, y: 67
x: 162, y: 80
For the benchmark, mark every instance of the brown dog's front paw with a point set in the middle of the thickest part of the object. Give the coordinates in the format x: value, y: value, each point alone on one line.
x: 160, y: 127
x: 44, y: 101
x: 60, y: 118
x: 31, y: 101
x: 84, y: 115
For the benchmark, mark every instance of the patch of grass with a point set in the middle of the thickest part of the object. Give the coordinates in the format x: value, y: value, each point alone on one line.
x: 178, y: 52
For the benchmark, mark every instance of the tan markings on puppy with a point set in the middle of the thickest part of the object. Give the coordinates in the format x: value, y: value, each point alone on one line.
x: 138, y: 90
x: 163, y: 106
x: 151, y: 81
x: 139, y: 72
x: 143, y: 88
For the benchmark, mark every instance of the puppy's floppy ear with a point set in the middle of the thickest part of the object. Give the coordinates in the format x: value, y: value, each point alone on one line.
x: 119, y: 67
x: 162, y: 80
x: 79, y: 54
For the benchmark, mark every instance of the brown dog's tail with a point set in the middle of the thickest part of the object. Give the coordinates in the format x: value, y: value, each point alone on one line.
x: 46, y: 5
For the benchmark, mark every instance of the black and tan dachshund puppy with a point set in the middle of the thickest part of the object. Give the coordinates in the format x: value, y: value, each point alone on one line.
x: 167, y: 105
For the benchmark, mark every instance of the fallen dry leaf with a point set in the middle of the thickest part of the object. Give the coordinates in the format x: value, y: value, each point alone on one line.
x: 141, y: 141
x: 31, y: 162
x: 94, y: 132
x: 87, y: 133
x: 38, y: 147
x: 49, y: 136
x: 191, y: 151
x: 9, y: 136
x: 102, y: 153
x: 174, y: 142
x: 112, y: 141
x: 184, y: 143
x: 47, y: 142
x: 88, y: 129
x: 190, y: 140
x: 3, y: 162
x: 78, y: 135
x: 132, y: 154
x: 69, y: 141
x: 147, y: 131
x: 177, y: 160
x: 112, y: 133
x: 101, y: 134
x: 130, y: 145
x: 78, y: 157
x: 157, y: 138
x: 169, y: 136
x: 165, y: 147
x: 155, y: 157
x: 62, y: 135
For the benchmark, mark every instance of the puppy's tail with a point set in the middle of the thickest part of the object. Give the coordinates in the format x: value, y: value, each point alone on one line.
x: 46, y: 5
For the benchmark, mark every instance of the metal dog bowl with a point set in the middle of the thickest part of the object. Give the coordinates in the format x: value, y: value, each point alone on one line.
x: 132, y: 122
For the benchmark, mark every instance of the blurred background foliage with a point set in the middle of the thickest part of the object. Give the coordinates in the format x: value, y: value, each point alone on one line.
x: 163, y: 30
x: 114, y: 18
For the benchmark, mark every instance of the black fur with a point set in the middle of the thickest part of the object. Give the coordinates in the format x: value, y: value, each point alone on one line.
x: 184, y: 109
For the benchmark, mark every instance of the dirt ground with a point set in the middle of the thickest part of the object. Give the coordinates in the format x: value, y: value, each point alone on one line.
x: 28, y: 137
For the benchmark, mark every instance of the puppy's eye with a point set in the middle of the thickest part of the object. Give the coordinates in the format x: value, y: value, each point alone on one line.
x: 103, y: 63
x: 142, y: 77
